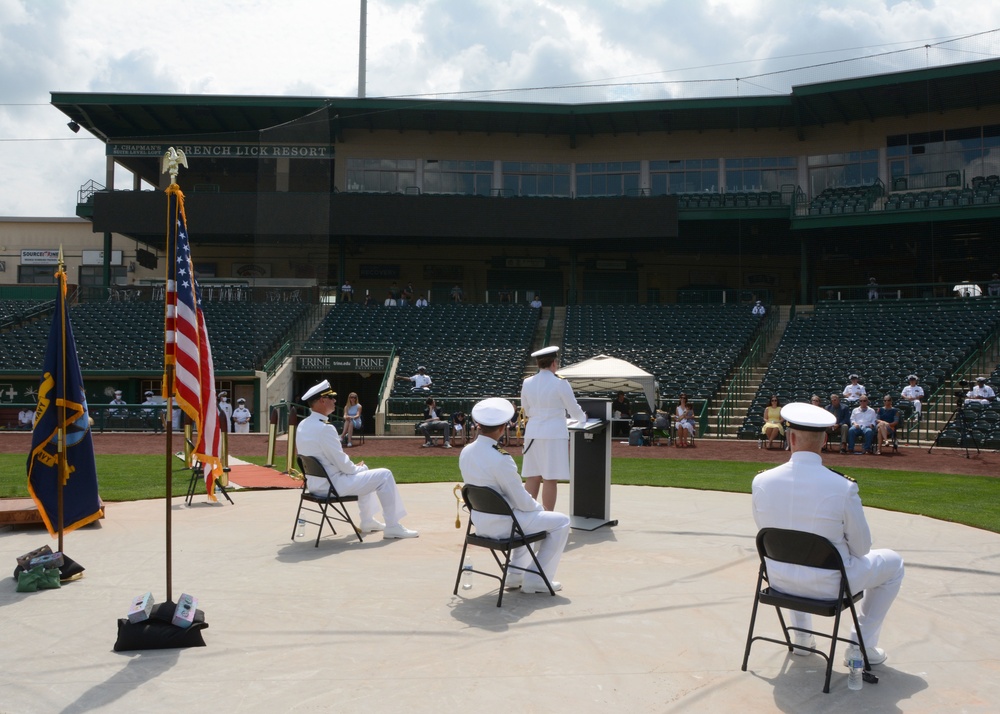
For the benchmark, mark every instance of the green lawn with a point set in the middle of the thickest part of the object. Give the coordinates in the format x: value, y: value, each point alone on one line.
x: 970, y: 500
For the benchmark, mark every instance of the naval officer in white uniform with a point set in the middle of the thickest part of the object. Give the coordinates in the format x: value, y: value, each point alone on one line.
x: 318, y: 438
x: 546, y: 400
x: 804, y: 495
x: 484, y: 463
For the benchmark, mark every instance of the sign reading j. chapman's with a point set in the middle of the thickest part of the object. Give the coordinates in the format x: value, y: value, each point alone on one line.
x: 341, y: 363
x: 226, y: 151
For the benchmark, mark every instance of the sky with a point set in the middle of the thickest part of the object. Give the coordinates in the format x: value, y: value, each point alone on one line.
x: 517, y: 50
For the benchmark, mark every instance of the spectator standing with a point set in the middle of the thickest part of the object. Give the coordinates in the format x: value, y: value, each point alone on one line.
x: 347, y: 292
x: 226, y: 410
x: 872, y: 289
x: 456, y: 293
x: 758, y: 309
x: 150, y: 414
x: 241, y: 417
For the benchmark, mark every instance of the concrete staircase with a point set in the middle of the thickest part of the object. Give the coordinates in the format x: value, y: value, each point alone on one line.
x: 538, y: 339
x: 744, y: 398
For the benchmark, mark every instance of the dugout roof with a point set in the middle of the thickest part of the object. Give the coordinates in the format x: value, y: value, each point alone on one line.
x: 938, y: 89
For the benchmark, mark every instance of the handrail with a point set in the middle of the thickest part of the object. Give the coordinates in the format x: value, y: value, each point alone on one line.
x: 944, y: 400
x: 741, y: 379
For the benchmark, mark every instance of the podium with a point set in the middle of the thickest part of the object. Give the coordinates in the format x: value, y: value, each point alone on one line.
x: 590, y: 467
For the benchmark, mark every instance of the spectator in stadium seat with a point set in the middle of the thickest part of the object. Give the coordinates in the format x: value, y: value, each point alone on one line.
x: 421, y: 380
x: 842, y: 413
x: 863, y: 422
x: 421, y: 301
x: 536, y: 301
x: 369, y: 299
x: 390, y: 300
x: 915, y: 393
x: 854, y: 390
x: 982, y: 392
x: 347, y: 292
x: 25, y: 418
x: 888, y: 422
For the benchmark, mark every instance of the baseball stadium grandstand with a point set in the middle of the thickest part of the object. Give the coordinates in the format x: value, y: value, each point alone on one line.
x: 862, y: 214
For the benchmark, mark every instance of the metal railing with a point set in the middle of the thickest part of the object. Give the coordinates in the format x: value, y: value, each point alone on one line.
x: 903, y: 291
x: 744, y: 373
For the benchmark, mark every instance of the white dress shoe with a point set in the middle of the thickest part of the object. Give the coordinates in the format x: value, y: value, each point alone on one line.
x: 372, y: 526
x: 513, y: 582
x: 540, y: 587
x: 399, y: 531
x: 876, y: 655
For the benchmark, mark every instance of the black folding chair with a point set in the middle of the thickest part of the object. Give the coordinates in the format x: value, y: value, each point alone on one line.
x: 814, y: 551
x: 329, y: 508
x: 486, y: 500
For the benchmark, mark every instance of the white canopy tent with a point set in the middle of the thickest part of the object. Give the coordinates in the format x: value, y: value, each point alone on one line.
x: 610, y: 374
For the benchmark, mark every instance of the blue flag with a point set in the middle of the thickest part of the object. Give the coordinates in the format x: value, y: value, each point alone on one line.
x: 61, y: 420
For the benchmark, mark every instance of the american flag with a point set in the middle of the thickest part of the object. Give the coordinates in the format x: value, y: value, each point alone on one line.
x: 187, y: 345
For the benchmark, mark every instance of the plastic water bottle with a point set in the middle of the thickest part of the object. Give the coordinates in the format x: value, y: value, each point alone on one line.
x: 467, y: 574
x: 300, y: 529
x: 854, y: 675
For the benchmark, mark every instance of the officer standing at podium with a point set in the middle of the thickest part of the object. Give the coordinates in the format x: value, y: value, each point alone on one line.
x: 546, y: 400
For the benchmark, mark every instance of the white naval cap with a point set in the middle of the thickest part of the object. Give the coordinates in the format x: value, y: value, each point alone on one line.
x: 321, y: 389
x: 492, y: 412
x: 980, y: 379
x: 550, y: 350
x: 118, y: 392
x: 807, y: 417
x: 854, y: 376
x: 912, y: 377
x: 241, y: 400
x: 421, y: 368
x: 148, y: 393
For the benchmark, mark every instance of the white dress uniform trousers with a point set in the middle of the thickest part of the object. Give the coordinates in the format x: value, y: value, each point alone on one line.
x: 483, y: 463
x: 804, y: 495
x: 318, y: 438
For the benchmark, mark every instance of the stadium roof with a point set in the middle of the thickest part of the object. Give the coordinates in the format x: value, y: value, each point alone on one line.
x: 118, y: 117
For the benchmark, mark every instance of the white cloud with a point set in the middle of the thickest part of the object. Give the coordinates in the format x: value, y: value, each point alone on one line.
x: 310, y: 47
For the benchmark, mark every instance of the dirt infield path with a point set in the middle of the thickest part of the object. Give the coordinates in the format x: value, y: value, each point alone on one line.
x: 909, y: 458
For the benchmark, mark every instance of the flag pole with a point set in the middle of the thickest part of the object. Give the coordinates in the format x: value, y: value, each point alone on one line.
x: 168, y: 390
x: 61, y: 465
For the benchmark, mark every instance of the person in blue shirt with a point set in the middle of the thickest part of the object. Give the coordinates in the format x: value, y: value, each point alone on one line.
x: 888, y: 422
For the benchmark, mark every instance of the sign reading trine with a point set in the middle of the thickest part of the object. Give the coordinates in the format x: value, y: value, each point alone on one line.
x: 341, y: 363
